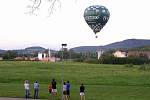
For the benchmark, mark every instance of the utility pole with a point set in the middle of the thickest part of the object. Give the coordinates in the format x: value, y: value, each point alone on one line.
x: 62, y: 52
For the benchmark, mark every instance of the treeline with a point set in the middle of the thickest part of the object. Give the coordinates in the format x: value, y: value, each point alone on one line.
x: 70, y: 54
x: 127, y: 60
x: 108, y: 58
x: 143, y: 48
x: 114, y: 60
x: 11, y: 54
x: 88, y: 57
x: 66, y: 54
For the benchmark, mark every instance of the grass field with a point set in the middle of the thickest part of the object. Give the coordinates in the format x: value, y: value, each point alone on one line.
x: 102, y: 82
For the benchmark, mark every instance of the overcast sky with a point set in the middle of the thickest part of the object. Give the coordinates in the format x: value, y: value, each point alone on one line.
x: 128, y: 19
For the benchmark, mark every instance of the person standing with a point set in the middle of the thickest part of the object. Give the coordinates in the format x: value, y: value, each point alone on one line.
x: 26, y: 86
x: 36, y: 89
x: 82, y: 94
x: 64, y: 91
x: 54, y: 89
x: 68, y: 89
x: 50, y: 88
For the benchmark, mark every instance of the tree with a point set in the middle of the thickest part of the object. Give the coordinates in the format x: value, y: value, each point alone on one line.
x: 53, y: 5
x: 36, y: 4
x: 9, y: 54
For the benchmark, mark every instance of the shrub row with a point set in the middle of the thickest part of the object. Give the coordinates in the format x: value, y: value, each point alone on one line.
x: 114, y: 60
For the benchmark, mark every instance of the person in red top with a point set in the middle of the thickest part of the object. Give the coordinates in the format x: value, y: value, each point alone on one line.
x: 50, y: 88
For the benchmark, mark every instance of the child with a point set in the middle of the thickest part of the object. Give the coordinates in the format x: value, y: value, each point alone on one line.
x: 50, y: 88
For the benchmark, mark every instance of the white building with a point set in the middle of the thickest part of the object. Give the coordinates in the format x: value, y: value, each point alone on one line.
x: 46, y: 56
x: 120, y: 54
x: 1, y: 58
x: 41, y: 55
x: 99, y: 53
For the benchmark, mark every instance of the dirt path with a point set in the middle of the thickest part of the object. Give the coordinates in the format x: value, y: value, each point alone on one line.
x: 3, y: 98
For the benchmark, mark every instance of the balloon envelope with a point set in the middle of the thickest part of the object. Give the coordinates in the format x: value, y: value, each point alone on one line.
x: 96, y: 17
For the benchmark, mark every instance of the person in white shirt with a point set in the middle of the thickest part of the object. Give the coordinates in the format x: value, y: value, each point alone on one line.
x: 36, y: 89
x: 64, y: 91
x: 26, y: 86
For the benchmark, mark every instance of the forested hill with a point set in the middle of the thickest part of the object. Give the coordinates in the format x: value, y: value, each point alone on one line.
x: 143, y: 48
x: 125, y: 44
x: 29, y: 50
x: 131, y: 44
x: 1, y: 51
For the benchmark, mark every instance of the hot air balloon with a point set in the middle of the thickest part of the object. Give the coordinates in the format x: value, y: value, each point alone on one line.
x: 96, y: 17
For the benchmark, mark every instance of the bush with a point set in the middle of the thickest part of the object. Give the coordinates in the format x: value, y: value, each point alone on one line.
x: 78, y: 60
x: 92, y: 61
x: 129, y: 65
x: 144, y: 67
x: 128, y: 60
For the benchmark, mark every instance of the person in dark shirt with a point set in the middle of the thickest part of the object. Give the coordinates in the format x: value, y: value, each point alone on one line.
x: 82, y: 94
x: 54, y: 89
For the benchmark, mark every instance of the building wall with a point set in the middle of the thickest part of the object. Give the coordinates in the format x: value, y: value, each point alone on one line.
x: 40, y: 56
x: 139, y: 53
x: 99, y: 53
x: 120, y: 54
x: 45, y: 57
x: 1, y: 58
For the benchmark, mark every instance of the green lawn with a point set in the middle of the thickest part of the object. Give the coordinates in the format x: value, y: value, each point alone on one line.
x: 102, y: 82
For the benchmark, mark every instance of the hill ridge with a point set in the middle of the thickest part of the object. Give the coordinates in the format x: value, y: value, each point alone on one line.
x: 125, y: 44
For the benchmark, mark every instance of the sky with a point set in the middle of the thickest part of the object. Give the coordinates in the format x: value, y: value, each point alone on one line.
x: 129, y: 19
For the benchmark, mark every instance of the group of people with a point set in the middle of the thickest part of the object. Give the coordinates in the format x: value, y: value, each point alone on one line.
x: 65, y: 89
x: 53, y: 90
x: 27, y: 89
